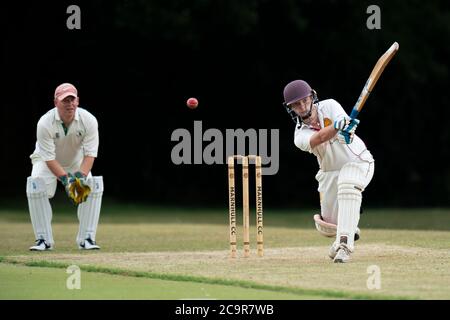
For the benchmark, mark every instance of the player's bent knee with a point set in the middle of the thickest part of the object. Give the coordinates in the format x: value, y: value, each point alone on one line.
x: 349, y: 191
x: 36, y: 187
x: 96, y: 184
x: 353, y: 173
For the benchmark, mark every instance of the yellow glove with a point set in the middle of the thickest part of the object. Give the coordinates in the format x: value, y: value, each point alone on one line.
x: 78, y: 189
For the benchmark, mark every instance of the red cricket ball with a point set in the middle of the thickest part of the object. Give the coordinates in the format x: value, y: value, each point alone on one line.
x: 192, y: 103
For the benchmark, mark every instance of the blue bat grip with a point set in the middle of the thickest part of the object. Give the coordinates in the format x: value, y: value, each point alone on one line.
x: 354, y: 114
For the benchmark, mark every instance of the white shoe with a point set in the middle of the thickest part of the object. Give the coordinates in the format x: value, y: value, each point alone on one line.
x: 41, y: 245
x: 334, y: 248
x: 88, y: 244
x: 343, y: 254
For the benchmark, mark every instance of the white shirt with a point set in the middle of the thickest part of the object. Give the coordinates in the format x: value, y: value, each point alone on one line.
x: 53, y: 143
x: 331, y: 155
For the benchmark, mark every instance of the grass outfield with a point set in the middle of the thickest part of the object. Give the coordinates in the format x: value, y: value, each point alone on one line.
x: 50, y: 283
x: 162, y: 253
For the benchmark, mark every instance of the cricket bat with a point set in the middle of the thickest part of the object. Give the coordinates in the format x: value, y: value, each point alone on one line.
x: 373, y: 78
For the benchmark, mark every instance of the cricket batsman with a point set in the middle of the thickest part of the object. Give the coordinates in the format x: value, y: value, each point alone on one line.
x: 66, y: 147
x: 346, y: 167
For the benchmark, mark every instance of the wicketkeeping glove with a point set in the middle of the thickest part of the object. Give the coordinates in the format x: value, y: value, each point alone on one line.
x: 65, y: 181
x: 79, y: 190
x: 76, y: 187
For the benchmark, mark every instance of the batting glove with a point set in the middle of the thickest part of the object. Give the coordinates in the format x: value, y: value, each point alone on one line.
x: 346, y: 125
x: 341, y: 123
x: 345, y: 137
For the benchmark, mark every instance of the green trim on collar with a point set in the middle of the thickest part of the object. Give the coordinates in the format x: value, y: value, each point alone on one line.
x: 65, y: 128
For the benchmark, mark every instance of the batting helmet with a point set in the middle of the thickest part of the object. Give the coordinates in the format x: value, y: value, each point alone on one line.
x: 296, y: 90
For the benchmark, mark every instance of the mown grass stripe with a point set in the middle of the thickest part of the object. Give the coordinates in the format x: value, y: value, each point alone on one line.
x: 217, y: 281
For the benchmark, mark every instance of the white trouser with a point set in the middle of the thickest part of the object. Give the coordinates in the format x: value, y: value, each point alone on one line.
x: 89, y: 211
x: 40, y: 209
x: 328, y: 188
x: 42, y: 185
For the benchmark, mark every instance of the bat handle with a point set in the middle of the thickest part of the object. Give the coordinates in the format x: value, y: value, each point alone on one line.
x: 354, y: 113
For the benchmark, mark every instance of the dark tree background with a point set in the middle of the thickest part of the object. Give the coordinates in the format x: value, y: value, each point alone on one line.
x: 136, y: 62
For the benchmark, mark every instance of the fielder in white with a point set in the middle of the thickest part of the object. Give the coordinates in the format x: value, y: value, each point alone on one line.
x: 324, y: 129
x: 67, y: 144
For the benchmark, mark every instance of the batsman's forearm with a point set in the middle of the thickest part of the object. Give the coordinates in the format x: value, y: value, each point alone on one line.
x: 86, y: 165
x: 56, y: 168
x: 322, y: 136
